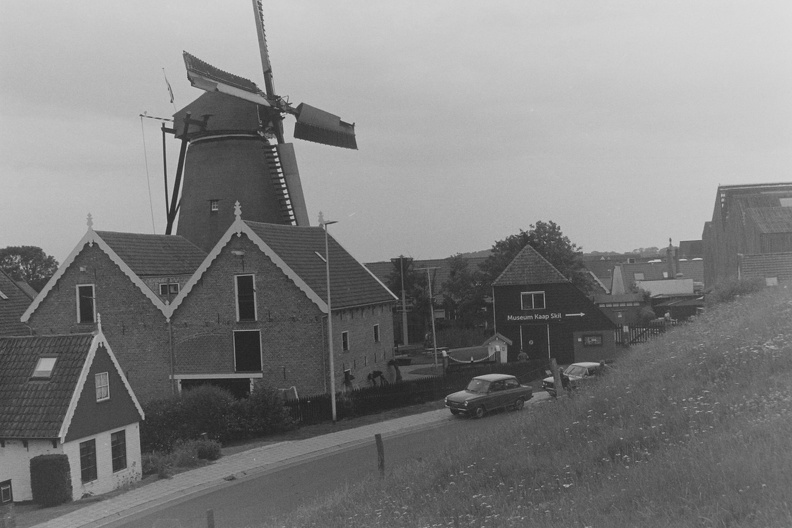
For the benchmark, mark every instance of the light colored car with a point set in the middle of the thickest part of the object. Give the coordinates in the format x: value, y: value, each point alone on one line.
x: 576, y: 372
x: 488, y: 392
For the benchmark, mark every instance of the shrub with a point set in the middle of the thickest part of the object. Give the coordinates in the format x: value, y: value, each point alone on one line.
x: 163, y: 426
x: 262, y: 413
x: 206, y: 409
x: 729, y: 291
x: 50, y: 479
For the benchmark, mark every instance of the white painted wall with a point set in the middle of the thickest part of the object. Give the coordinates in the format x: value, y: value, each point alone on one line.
x: 106, y: 480
x: 15, y: 464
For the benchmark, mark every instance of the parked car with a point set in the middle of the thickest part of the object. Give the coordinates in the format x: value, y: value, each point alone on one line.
x: 488, y: 392
x: 576, y: 372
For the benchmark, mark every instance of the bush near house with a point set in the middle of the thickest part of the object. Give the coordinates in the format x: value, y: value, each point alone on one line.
x: 729, y: 291
x: 212, y: 413
x: 50, y: 479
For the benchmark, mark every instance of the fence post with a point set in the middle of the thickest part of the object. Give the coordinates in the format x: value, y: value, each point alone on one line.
x: 380, y: 454
x: 559, y: 386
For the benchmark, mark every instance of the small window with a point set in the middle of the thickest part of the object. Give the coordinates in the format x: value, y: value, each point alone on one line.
x: 533, y: 300
x: 246, y: 298
x: 214, y: 206
x: 88, y: 460
x: 169, y: 288
x: 247, y: 351
x: 118, y: 450
x: 6, y: 493
x: 592, y: 340
x: 102, y: 381
x: 86, y: 312
x: 44, y: 368
x: 376, y: 333
x: 345, y: 341
x: 638, y: 276
x: 665, y: 274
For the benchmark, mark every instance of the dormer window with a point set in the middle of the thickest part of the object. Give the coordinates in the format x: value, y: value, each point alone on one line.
x: 214, y: 206
x: 44, y: 368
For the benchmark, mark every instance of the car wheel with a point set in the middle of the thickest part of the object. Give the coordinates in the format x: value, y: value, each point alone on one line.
x: 454, y: 412
x: 480, y: 412
x: 518, y: 404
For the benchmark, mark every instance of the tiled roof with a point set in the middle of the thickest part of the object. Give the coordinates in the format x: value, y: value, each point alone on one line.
x: 14, y: 300
x: 772, y: 219
x: 37, y: 409
x: 157, y: 255
x: 351, y: 283
x: 529, y: 267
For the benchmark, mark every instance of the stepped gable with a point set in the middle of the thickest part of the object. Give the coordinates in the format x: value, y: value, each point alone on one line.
x: 155, y: 255
x: 529, y: 267
x: 351, y: 283
x: 37, y: 409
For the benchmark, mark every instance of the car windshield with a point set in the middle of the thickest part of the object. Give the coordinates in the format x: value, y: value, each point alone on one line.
x: 576, y: 370
x: 477, y: 385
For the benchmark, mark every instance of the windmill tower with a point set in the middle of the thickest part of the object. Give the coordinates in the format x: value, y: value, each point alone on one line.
x: 232, y: 148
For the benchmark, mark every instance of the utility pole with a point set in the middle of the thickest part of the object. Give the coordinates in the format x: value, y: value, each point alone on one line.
x: 405, y: 332
x: 431, y: 311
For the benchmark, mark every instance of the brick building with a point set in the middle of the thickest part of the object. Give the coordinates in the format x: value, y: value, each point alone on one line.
x: 750, y: 234
x: 253, y: 308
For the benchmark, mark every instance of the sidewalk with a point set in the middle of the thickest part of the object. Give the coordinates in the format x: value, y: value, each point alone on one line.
x: 245, y: 463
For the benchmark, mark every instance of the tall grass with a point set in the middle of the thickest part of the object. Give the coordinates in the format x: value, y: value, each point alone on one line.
x: 693, y: 429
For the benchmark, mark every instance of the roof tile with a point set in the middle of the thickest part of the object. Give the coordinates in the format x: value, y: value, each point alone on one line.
x: 36, y: 409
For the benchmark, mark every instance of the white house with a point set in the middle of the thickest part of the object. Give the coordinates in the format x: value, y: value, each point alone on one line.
x: 66, y: 394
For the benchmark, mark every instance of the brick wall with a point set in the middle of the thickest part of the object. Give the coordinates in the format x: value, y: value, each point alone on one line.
x: 134, y: 327
x: 293, y: 329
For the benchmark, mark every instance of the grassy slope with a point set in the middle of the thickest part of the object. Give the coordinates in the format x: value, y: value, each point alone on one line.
x: 694, y: 429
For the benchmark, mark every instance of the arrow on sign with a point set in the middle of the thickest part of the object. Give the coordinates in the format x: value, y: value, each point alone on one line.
x: 581, y: 314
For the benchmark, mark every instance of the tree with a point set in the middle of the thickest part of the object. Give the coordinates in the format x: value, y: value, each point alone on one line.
x: 461, y: 298
x: 29, y: 264
x: 548, y: 240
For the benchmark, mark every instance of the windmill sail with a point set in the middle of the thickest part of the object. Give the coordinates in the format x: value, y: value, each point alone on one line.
x: 323, y: 127
x: 206, y: 77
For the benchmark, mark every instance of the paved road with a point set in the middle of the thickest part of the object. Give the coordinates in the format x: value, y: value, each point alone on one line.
x: 244, y: 502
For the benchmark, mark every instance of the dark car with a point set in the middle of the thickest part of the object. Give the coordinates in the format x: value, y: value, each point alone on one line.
x: 488, y: 392
x: 576, y: 372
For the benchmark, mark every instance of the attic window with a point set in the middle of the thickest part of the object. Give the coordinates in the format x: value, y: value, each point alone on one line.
x: 169, y: 288
x: 44, y: 368
x: 214, y: 206
x: 533, y: 300
x: 102, y: 381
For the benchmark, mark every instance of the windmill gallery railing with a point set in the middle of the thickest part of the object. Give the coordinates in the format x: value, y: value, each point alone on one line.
x: 368, y: 400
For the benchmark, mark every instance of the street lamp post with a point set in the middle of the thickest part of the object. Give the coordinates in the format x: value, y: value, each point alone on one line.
x: 324, y: 224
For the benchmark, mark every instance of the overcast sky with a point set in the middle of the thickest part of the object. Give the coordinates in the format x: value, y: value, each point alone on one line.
x: 615, y: 119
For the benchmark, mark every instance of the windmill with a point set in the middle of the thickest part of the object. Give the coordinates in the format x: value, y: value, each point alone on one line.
x: 232, y: 148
